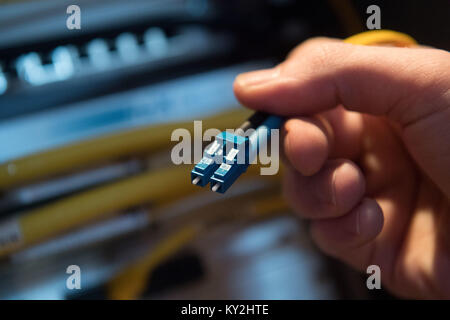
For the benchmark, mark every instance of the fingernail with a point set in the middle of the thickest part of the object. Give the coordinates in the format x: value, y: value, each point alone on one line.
x: 257, y: 77
x: 369, y: 218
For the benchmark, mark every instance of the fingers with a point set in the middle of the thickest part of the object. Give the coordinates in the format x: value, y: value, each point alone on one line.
x: 347, y: 131
x: 309, y: 141
x: 350, y: 237
x: 321, y: 74
x: 306, y: 144
x: 331, y: 192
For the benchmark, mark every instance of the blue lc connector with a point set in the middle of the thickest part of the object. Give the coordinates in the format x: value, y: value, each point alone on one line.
x: 234, y: 163
x: 212, y: 157
x: 230, y: 155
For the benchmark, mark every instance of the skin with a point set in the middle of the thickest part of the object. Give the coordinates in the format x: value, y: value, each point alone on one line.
x: 367, y: 147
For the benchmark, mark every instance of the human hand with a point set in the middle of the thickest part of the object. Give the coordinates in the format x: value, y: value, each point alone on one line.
x: 368, y: 154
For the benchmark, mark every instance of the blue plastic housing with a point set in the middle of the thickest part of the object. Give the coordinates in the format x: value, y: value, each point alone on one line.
x: 229, y: 157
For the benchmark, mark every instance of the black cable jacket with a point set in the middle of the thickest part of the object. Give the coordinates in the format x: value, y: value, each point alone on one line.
x: 254, y: 120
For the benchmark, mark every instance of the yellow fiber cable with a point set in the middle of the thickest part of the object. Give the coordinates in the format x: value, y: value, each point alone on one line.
x: 380, y: 37
x: 131, y: 282
x: 110, y: 147
x: 157, y: 187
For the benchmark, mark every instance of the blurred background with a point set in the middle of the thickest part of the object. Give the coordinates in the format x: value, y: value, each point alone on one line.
x: 85, y: 123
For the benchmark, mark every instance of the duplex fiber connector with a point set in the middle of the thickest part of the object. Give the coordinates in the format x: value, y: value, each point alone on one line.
x: 230, y: 154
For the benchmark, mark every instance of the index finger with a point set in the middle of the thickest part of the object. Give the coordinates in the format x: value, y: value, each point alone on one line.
x: 322, y: 73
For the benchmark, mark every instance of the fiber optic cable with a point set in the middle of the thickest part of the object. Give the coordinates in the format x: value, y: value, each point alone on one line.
x: 155, y: 188
x: 116, y: 146
x: 382, y: 37
x: 230, y: 154
x: 130, y: 282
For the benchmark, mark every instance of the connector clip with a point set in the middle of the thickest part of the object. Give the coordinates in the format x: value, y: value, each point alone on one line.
x: 223, y: 162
